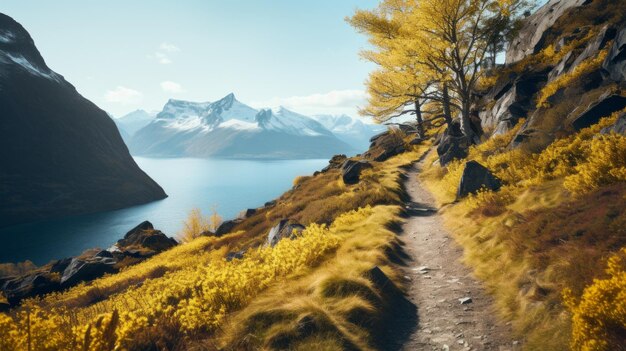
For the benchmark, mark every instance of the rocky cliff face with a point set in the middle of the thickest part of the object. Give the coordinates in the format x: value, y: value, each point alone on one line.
x: 59, y: 153
x: 564, y: 72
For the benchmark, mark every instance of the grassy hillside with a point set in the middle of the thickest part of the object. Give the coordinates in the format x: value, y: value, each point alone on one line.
x: 191, y: 297
x: 542, y: 240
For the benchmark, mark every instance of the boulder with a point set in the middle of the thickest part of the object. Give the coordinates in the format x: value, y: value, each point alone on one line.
x: 452, y: 145
x: 378, y: 136
x: 475, y: 177
x: 249, y: 212
x: 146, y: 236
x: 286, y: 228
x: 335, y: 163
x: 158, y: 241
x: 226, y: 227
x: 618, y: 127
x: 236, y: 255
x: 351, y: 170
x: 605, y: 105
x: 614, y: 65
x: 58, y: 266
x: 86, y: 269
x: 271, y: 203
x: 384, y: 146
x: 533, y: 32
x: 511, y: 100
x: 30, y: 285
x: 134, y: 235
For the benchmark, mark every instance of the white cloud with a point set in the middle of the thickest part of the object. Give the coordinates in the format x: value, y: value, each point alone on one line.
x: 164, y: 52
x: 171, y: 87
x: 123, y: 95
x: 333, y: 102
x: 162, y: 58
x: 168, y: 47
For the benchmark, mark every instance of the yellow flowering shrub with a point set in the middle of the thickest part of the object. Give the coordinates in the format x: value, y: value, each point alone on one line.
x: 589, y: 65
x: 197, y: 297
x: 584, y: 161
x: 599, y: 317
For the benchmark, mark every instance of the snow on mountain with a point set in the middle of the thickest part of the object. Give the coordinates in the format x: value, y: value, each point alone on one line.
x: 349, y: 129
x: 134, y: 121
x: 224, y: 127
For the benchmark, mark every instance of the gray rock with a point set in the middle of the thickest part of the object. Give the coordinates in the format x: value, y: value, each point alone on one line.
x: 615, y: 63
x: 529, y: 39
x: 465, y: 300
x: 604, y: 106
x: 384, y: 146
x: 618, y: 127
x: 30, y: 285
x: 594, y: 46
x: 270, y: 203
x: 286, y: 228
x: 351, y: 170
x: 335, y: 163
x: 81, y: 269
x: 145, y: 235
x: 226, y: 227
x: 246, y: 213
x: 237, y: 255
x: 475, y: 177
x: 453, y: 145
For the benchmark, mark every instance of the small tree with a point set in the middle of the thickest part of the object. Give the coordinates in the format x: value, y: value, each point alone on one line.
x: 195, y: 225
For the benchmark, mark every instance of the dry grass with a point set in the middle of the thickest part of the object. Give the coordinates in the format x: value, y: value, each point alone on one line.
x: 538, y: 236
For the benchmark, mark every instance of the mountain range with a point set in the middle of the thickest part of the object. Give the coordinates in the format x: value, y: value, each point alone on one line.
x: 59, y: 153
x: 231, y: 129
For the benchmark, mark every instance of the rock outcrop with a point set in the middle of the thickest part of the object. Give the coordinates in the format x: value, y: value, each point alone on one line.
x: 285, y: 229
x: 139, y: 243
x: 530, y: 39
x: 476, y: 177
x: 452, y: 144
x: 615, y: 63
x: 351, y: 171
x: 60, y: 154
x: 385, y: 145
x: 588, y: 95
x: 618, y: 127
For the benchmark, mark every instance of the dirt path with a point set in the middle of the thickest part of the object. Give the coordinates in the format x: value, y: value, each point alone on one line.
x: 439, y: 282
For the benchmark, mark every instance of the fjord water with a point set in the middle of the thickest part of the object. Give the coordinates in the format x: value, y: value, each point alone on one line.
x: 229, y: 186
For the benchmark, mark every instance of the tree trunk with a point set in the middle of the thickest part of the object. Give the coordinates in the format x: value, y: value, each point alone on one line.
x: 418, y: 117
x: 466, y: 126
x: 447, y: 115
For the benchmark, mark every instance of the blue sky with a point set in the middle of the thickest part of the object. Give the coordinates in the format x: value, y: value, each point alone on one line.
x: 125, y: 55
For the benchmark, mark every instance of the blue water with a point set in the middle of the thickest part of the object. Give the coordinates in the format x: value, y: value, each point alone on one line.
x: 229, y: 186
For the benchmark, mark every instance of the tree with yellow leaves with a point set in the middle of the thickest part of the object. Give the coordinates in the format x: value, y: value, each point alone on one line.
x: 424, y: 43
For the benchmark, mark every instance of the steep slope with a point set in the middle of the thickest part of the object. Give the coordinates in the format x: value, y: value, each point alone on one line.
x: 59, y: 153
x: 350, y: 130
x: 230, y: 129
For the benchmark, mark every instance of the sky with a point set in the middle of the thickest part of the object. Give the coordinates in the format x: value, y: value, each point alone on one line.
x: 127, y: 55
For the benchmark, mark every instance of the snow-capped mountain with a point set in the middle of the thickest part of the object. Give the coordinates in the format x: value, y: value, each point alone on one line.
x: 232, y: 129
x: 134, y: 121
x: 61, y: 155
x: 350, y: 130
